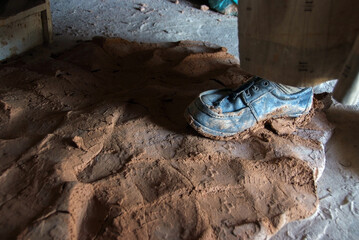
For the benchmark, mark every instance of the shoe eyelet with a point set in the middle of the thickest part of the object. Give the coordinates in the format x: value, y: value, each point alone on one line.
x: 265, y: 83
x: 255, y: 88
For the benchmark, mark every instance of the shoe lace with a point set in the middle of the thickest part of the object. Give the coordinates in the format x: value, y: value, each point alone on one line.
x: 247, y: 88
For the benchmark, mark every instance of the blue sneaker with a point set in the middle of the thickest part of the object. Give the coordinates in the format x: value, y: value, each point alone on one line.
x: 225, y: 112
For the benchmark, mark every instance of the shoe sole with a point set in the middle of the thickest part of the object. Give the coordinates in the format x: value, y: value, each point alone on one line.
x: 206, y: 132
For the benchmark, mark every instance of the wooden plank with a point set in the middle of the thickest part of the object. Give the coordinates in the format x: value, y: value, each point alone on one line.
x: 13, y: 7
x: 47, y: 23
x: 21, y: 35
x: 25, y: 30
x: 24, y: 14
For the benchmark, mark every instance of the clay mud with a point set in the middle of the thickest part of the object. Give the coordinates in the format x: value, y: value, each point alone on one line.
x: 94, y: 145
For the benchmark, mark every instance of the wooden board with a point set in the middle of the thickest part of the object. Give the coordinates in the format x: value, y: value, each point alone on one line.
x: 25, y: 30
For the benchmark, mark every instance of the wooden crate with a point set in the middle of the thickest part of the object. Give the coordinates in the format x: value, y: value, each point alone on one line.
x: 25, y: 29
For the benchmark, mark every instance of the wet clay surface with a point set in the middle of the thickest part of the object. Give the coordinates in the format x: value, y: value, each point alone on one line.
x: 94, y: 145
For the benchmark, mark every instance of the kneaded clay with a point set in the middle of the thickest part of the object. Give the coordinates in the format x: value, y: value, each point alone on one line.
x: 94, y: 145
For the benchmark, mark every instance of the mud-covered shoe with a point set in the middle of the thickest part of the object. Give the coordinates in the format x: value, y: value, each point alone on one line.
x: 226, y: 112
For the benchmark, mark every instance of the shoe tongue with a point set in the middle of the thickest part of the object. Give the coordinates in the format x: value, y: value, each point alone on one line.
x: 232, y: 102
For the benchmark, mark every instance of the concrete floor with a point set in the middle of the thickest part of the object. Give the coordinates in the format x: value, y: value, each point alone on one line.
x: 159, y: 21
x: 165, y: 21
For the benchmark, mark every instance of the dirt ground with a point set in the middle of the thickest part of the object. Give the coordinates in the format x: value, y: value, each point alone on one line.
x: 52, y: 162
x: 94, y: 145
